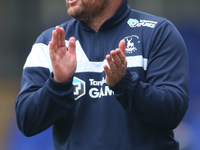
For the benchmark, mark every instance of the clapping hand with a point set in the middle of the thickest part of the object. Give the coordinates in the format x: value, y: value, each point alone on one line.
x: 63, y: 61
x: 117, y: 65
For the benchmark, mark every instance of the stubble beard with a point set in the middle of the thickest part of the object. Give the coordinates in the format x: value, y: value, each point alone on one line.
x: 86, y: 12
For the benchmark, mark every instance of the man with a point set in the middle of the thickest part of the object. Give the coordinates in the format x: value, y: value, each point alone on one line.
x: 119, y: 83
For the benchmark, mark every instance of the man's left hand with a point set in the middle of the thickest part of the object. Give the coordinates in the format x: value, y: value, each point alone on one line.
x: 117, y: 65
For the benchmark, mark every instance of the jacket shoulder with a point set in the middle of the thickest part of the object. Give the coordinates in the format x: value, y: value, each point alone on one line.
x: 145, y: 16
x: 46, y: 35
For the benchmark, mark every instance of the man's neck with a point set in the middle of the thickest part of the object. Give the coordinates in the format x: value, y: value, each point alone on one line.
x: 96, y: 22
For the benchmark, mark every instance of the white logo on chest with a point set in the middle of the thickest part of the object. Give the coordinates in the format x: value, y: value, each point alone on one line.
x: 130, y: 43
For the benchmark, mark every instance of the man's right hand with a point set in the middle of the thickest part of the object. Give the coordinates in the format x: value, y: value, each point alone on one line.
x: 63, y: 61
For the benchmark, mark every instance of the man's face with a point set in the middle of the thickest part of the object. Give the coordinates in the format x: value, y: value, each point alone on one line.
x: 85, y: 10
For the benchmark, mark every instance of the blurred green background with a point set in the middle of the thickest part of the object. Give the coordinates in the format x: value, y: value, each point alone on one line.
x: 22, y: 21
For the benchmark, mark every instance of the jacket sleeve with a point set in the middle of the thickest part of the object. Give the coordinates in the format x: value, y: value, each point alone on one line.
x: 41, y: 101
x: 161, y: 100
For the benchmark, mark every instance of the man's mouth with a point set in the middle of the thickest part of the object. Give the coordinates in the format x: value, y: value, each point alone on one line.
x: 72, y: 1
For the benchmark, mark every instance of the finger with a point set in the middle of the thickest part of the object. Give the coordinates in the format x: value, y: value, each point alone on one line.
x: 116, y: 58
x: 51, y: 50
x: 121, y: 56
x: 58, y: 36
x: 72, y: 45
x: 122, y: 52
x: 110, y: 62
x: 62, y: 37
x: 107, y: 70
x: 122, y: 45
x: 54, y: 40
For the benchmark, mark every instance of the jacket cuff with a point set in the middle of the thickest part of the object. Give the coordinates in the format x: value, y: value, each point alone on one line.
x: 123, y: 83
x: 60, y: 86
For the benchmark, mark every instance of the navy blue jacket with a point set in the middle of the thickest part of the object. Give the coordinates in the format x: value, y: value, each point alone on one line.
x: 139, y: 113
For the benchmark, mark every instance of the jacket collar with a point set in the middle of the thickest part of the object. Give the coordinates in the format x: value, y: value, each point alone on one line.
x: 117, y: 18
